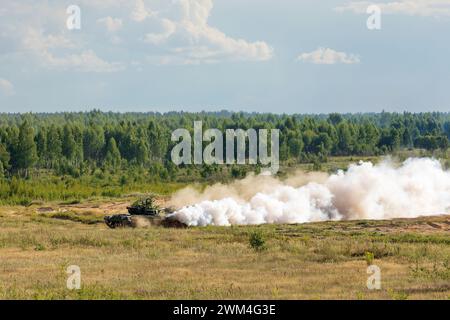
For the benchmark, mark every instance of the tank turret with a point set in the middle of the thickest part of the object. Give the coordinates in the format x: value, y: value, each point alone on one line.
x: 144, y: 207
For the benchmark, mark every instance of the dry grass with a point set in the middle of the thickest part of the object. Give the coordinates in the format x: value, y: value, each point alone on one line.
x: 311, y: 261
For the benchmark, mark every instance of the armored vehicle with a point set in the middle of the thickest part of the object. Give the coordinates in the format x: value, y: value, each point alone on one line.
x: 144, y: 208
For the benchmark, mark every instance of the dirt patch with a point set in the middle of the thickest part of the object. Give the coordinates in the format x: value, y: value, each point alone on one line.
x: 172, y: 223
x: 107, y: 208
x: 45, y: 210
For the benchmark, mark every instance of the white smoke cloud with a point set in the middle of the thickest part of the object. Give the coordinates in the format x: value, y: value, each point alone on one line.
x: 419, y: 187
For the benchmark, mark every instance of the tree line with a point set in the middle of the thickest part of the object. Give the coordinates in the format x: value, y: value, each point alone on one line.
x: 77, y: 143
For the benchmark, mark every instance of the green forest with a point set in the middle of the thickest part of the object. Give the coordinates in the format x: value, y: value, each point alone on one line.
x: 69, y: 156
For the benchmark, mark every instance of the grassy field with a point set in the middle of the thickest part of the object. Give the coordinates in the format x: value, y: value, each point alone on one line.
x: 311, y: 261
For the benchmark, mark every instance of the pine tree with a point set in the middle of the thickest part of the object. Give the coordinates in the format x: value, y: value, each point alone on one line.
x: 4, y: 157
x: 54, y: 145
x: 158, y: 143
x: 68, y: 143
x: 25, y: 151
x: 78, y: 137
x: 41, y: 144
x: 142, y: 152
x: 93, y: 142
x: 2, y: 171
x: 112, y: 153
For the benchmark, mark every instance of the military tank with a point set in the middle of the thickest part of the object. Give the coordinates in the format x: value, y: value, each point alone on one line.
x: 141, y: 211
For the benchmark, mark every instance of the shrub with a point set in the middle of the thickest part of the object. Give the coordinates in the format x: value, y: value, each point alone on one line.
x: 39, y: 247
x: 369, y: 257
x: 317, y: 165
x: 257, y: 241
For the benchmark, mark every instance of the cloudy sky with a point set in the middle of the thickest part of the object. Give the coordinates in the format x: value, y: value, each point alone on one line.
x: 293, y: 56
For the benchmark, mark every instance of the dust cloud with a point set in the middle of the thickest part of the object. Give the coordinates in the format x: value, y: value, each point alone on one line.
x: 417, y: 187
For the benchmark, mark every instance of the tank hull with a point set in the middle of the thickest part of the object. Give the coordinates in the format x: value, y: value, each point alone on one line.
x: 141, y: 221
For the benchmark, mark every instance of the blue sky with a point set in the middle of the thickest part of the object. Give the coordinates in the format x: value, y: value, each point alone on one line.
x: 291, y: 56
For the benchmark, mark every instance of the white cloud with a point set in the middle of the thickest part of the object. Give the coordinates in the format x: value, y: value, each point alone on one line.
x: 36, y: 33
x: 36, y: 40
x: 6, y: 87
x: 406, y: 7
x: 111, y: 24
x: 162, y: 32
x: 40, y: 45
x: 189, y: 39
x: 140, y: 12
x: 104, y: 4
x: 328, y: 56
x: 168, y: 27
x: 86, y: 61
